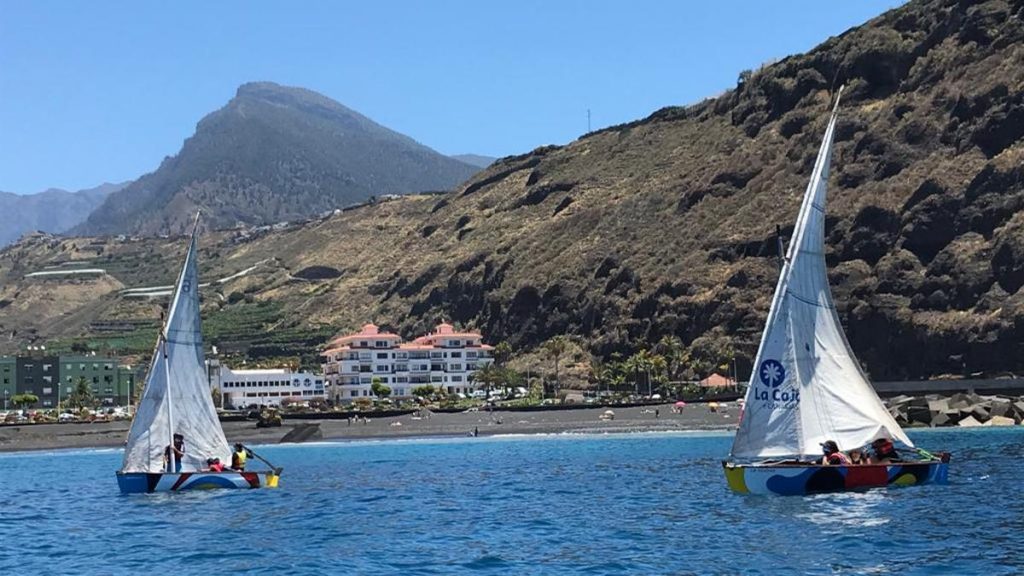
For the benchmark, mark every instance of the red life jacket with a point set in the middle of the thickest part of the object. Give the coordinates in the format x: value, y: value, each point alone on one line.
x: 839, y: 458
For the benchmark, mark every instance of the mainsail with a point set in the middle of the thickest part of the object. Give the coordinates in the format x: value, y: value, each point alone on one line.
x: 807, y: 387
x: 176, y: 399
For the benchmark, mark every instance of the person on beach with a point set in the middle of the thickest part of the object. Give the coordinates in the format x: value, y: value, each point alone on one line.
x: 239, y: 456
x: 884, y: 452
x: 178, y: 447
x: 833, y: 457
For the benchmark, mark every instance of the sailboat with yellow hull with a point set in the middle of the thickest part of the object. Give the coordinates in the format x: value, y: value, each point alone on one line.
x: 807, y: 387
x: 177, y: 402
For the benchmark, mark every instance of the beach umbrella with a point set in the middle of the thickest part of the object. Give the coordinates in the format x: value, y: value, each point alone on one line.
x: 680, y: 404
x: 610, y: 412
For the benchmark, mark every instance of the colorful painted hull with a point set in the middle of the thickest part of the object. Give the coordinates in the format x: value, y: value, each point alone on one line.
x: 145, y: 482
x: 797, y: 479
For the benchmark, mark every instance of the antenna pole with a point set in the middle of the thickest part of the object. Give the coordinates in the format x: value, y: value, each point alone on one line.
x: 588, y: 120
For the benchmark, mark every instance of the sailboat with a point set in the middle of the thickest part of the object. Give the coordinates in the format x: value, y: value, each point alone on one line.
x: 177, y: 402
x: 807, y: 387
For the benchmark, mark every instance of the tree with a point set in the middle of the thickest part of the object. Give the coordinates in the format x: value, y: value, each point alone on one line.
x: 489, y: 375
x: 379, y: 390
x: 502, y: 353
x: 24, y: 400
x: 426, y: 391
x: 82, y: 396
x: 555, y: 348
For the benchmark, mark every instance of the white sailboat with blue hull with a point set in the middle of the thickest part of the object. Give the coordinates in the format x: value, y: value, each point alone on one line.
x: 807, y: 387
x: 177, y: 401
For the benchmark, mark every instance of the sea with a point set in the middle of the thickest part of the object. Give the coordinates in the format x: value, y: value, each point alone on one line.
x: 559, y: 504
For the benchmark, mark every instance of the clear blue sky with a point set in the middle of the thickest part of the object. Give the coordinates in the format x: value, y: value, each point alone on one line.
x: 102, y: 91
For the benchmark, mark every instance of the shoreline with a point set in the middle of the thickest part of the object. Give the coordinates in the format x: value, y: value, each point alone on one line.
x: 692, y: 418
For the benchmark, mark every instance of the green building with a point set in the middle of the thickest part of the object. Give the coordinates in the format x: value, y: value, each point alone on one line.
x: 111, y: 384
x: 53, y: 378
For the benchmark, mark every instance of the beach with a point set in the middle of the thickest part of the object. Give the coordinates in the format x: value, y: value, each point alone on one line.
x: 633, y: 419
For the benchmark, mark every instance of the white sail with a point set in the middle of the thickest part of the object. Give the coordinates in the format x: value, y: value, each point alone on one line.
x: 807, y: 387
x: 191, y: 412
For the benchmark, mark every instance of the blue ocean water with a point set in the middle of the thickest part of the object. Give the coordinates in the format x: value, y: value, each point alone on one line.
x: 621, y: 504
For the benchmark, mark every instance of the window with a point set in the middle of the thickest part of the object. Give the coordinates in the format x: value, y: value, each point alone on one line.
x: 456, y: 355
x: 47, y: 391
x: 382, y: 355
x: 470, y: 354
x: 381, y: 343
x: 47, y: 403
x: 353, y: 393
x: 46, y: 367
x: 455, y: 367
x: 456, y: 378
x: 435, y: 378
x: 436, y: 355
x: 364, y: 344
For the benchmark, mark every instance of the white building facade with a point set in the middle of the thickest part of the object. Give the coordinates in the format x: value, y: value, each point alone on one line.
x: 244, y: 388
x: 444, y: 359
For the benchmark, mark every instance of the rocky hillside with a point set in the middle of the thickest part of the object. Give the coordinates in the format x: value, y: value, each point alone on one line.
x: 272, y: 154
x: 53, y: 210
x: 665, y: 226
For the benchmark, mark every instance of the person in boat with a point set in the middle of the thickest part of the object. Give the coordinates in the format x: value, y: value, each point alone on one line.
x: 239, y: 456
x: 178, y: 446
x: 214, y: 465
x: 833, y: 456
x: 857, y: 457
x: 884, y: 452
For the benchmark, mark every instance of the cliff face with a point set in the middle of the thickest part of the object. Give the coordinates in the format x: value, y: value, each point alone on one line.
x: 666, y: 226
x: 275, y: 153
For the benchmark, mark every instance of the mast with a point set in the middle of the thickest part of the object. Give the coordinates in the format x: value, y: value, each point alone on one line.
x: 172, y: 457
x: 172, y: 461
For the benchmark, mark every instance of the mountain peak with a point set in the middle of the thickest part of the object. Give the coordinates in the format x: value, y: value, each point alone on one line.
x: 275, y: 153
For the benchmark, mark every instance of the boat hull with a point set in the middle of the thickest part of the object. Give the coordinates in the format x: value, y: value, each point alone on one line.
x: 798, y: 479
x: 148, y: 482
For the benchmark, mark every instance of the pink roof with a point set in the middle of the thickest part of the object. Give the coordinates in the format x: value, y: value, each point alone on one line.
x: 717, y: 380
x: 368, y: 331
x: 427, y: 342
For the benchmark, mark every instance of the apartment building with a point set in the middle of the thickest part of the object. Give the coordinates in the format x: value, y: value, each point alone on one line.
x: 445, y: 359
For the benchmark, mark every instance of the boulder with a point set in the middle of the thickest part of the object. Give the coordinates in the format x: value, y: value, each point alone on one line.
x: 952, y: 416
x: 1000, y: 407
x: 1000, y: 421
x: 939, y: 419
x: 969, y: 422
x: 938, y: 405
x: 980, y: 412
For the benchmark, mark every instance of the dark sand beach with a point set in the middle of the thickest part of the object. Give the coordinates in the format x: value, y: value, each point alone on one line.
x: 582, y: 421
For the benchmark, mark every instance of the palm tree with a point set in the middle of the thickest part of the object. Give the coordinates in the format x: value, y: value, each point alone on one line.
x: 671, y: 347
x: 555, y: 348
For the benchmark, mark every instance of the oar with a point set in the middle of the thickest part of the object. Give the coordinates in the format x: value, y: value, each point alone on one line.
x: 277, y: 471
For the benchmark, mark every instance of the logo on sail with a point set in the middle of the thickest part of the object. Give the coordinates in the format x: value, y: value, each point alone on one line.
x: 772, y: 374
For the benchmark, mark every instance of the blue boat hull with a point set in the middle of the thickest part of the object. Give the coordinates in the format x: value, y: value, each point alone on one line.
x: 794, y: 479
x: 147, y: 482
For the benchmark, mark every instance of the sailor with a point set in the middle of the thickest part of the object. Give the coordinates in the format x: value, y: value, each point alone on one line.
x: 238, y: 457
x: 857, y: 456
x: 179, y: 453
x: 884, y: 452
x: 832, y: 455
x: 214, y: 465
